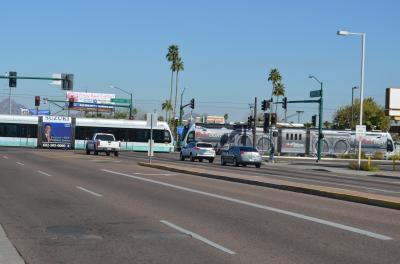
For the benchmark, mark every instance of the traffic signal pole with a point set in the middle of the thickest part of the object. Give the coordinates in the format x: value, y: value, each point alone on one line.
x: 255, y: 121
x: 320, y: 136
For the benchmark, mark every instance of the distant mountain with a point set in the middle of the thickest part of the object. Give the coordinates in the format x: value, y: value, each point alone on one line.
x: 15, y: 107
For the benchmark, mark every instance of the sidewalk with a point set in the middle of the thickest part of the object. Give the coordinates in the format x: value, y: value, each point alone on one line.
x: 330, y: 192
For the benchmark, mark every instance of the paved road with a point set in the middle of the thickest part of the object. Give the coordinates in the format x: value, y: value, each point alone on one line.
x: 368, y: 184
x: 62, y: 207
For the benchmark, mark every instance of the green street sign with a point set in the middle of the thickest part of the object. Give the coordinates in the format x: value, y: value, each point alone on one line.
x: 315, y: 93
x: 120, y: 100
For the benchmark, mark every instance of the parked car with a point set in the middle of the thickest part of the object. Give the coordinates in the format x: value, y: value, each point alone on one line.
x: 238, y: 155
x: 199, y: 151
x: 103, y: 143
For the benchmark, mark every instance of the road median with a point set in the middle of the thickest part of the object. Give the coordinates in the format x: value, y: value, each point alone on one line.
x: 324, y: 191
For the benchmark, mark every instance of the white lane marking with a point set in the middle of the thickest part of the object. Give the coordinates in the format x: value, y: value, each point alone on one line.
x: 20, y: 163
x: 44, y: 173
x: 198, y: 237
x: 155, y: 174
x: 260, y: 206
x: 89, y: 191
x: 5, y: 157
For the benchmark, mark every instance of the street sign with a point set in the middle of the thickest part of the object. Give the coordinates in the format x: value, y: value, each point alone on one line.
x: 361, y: 130
x: 120, y: 100
x: 315, y: 93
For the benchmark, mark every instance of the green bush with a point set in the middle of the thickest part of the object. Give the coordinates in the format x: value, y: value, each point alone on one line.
x: 378, y: 155
x: 364, y: 166
x: 395, y: 157
x: 347, y: 156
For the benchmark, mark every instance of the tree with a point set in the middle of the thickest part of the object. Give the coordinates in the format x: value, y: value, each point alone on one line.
x: 278, y: 91
x: 178, y: 66
x: 167, y: 107
x: 373, y: 116
x: 121, y: 115
x: 172, y: 56
x: 327, y: 124
x: 226, y: 116
x: 275, y: 77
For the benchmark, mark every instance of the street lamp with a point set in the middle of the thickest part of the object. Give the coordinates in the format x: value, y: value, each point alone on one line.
x: 180, y: 108
x: 347, y: 33
x: 352, y: 105
x: 320, y: 136
x: 130, y: 104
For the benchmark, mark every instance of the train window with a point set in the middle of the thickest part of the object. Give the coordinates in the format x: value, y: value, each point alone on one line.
x: 287, y: 136
x: 291, y: 136
x: 300, y: 137
x: 295, y: 136
x: 18, y: 130
x: 191, y: 137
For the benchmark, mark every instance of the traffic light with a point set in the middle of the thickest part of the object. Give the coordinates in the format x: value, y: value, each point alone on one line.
x: 192, y: 103
x: 249, y: 121
x: 71, y: 102
x: 264, y: 105
x: 37, y: 101
x: 273, y: 119
x: 266, y: 122
x: 67, y: 82
x: 314, y: 120
x: 284, y: 103
x: 12, y: 82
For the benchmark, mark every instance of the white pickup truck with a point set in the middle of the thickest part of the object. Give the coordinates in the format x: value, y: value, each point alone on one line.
x: 103, y: 143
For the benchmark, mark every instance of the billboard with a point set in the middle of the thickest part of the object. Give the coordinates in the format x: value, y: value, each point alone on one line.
x: 392, y: 105
x: 56, y: 132
x: 91, y: 101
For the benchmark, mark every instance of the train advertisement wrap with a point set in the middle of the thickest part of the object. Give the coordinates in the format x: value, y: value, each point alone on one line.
x: 56, y: 132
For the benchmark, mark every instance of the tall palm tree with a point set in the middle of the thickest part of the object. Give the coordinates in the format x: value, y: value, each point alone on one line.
x: 274, y: 77
x: 278, y: 91
x: 178, y: 66
x: 172, y: 56
x: 167, y: 107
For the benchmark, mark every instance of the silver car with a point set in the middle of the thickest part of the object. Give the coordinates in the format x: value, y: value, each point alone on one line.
x: 241, y: 156
x: 199, y: 151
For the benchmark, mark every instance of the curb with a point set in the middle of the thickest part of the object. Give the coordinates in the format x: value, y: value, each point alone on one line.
x: 328, y: 192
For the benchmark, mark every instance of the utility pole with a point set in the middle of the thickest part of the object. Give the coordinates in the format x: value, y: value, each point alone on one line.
x: 255, y: 122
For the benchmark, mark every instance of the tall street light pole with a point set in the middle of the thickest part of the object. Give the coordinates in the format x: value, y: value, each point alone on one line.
x: 321, y: 105
x: 352, y: 106
x: 347, y: 33
x: 180, y: 108
x: 128, y: 93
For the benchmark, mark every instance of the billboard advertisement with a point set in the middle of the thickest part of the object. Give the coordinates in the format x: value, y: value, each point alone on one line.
x: 393, y: 102
x: 91, y: 101
x: 56, y: 132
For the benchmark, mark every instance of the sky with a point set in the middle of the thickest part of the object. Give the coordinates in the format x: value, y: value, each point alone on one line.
x: 228, y: 48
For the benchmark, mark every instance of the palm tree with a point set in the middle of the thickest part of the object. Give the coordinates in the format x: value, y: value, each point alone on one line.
x: 167, y: 107
x: 274, y: 77
x: 172, y: 56
x: 178, y: 66
x: 278, y: 91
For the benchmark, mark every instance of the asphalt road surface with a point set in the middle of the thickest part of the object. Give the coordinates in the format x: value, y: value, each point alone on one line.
x: 368, y: 184
x: 65, y: 207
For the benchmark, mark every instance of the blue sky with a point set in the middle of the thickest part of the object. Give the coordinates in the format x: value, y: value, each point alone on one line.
x: 228, y: 48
